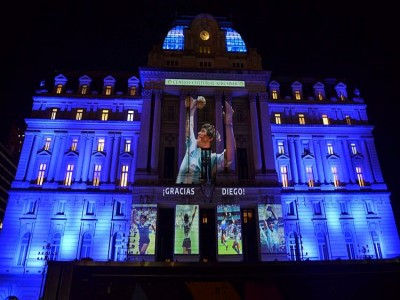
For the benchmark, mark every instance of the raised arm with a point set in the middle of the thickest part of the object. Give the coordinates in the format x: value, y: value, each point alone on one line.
x: 230, y: 138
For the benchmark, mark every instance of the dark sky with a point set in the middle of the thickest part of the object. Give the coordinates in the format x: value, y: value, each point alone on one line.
x: 355, y: 40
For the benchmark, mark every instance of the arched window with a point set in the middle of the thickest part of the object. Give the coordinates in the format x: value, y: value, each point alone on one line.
x: 349, y: 245
x: 86, y: 246
x: 322, y: 246
x: 117, y: 247
x: 55, y: 246
x: 23, y: 249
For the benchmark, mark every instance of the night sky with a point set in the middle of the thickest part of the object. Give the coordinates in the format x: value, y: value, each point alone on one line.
x: 353, y: 40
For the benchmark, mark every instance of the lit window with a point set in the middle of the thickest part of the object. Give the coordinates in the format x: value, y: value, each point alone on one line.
x: 360, y: 177
x: 353, y: 148
x: 278, y: 119
x: 348, y: 120
x: 47, y: 143
x: 128, y: 145
x: 320, y: 96
x: 310, y: 176
x: 330, y: 148
x: 59, y: 88
x: 53, y: 113
x: 302, y: 120
x: 335, y: 176
x: 284, y: 176
x: 342, y: 97
x: 131, y: 115
x: 68, y: 175
x: 325, y: 120
x: 41, y: 174
x: 74, y: 144
x: 281, y: 147
x: 100, y: 144
x: 79, y: 114
x: 274, y: 94
x: 124, y: 175
x: 96, y: 175
x: 104, y: 115
x: 132, y: 91
x: 84, y: 89
x: 297, y: 95
x: 108, y: 90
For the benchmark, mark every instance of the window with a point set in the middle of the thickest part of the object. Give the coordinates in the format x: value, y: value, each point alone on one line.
x: 108, y: 90
x: 335, y: 176
x: 353, y: 148
x: 55, y: 246
x: 96, y: 175
x: 297, y: 95
x: 317, y: 208
x: 68, y: 175
x: 79, y: 113
x: 84, y: 89
x: 74, y: 144
x: 377, y: 245
x: 322, y: 246
x: 127, y: 147
x: 59, y: 88
x: 342, y: 97
x: 132, y: 91
x: 23, y: 249
x: 310, y: 176
x: 360, y: 177
x: 369, y: 207
x: 320, y: 96
x: 274, y: 94
x: 104, y: 115
x: 41, y: 174
x: 281, y: 147
x: 86, y: 247
x: 90, y: 208
x: 348, y: 120
x: 131, y: 115
x: 31, y: 206
x: 290, y: 208
x: 61, y: 207
x: 343, y: 208
x: 100, y: 144
x: 325, y: 119
x: 284, y: 176
x: 118, y: 248
x: 124, y: 175
x: 302, y: 120
x: 47, y: 143
x: 349, y: 245
x: 329, y: 148
x: 119, y: 208
x: 278, y: 119
x: 53, y: 113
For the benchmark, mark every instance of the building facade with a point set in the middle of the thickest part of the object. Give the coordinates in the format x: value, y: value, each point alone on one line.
x: 121, y: 167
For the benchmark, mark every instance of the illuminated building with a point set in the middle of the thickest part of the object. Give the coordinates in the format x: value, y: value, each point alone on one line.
x: 101, y: 150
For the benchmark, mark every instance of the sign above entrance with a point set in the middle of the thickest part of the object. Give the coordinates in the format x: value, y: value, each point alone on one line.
x: 201, y: 82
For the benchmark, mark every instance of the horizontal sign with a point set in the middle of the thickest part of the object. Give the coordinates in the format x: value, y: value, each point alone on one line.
x: 201, y: 82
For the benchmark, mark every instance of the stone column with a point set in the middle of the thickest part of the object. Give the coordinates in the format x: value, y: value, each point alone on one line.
x: 293, y: 162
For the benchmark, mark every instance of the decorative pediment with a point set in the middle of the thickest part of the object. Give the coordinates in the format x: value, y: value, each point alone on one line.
x: 44, y: 153
x: 109, y: 80
x: 98, y: 154
x: 60, y: 79
x: 358, y: 156
x: 296, y: 85
x: 333, y: 157
x: 274, y: 84
x: 85, y: 80
x: 283, y: 156
x: 126, y: 155
x: 133, y: 81
x: 308, y: 156
x: 71, y: 153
